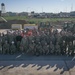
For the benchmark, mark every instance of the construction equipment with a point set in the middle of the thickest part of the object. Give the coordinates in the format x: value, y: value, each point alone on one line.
x: 69, y: 26
x: 2, y: 17
x: 44, y: 25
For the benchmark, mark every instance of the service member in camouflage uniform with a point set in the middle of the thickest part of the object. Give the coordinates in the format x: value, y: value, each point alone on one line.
x: 57, y: 48
x: 70, y: 48
x: 6, y: 47
x: 51, y: 48
x: 24, y: 44
x: 0, y: 47
x: 12, y: 48
x: 73, y: 52
x: 31, y: 49
x: 39, y: 49
x: 46, y: 49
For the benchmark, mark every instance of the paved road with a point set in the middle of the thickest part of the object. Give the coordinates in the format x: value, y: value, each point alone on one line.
x: 22, y: 57
x: 22, y: 64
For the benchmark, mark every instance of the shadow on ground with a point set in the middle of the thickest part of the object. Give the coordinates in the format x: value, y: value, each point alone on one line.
x: 42, y: 63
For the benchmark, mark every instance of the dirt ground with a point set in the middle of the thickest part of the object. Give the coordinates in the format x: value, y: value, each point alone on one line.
x: 3, y: 31
x: 7, y: 25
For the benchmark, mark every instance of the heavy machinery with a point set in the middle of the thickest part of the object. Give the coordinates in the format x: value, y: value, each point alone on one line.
x: 44, y: 25
x: 69, y: 26
x: 2, y: 17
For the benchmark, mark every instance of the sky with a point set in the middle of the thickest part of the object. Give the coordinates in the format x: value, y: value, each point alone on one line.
x: 49, y: 6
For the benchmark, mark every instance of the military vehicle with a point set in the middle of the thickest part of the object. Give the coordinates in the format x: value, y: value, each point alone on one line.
x: 44, y: 25
x: 69, y: 26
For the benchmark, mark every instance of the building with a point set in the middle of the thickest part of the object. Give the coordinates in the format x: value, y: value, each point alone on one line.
x: 72, y: 14
x: 3, y: 8
x: 64, y: 14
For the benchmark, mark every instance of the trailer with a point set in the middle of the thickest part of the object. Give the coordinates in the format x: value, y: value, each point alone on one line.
x: 30, y: 26
x: 16, y: 26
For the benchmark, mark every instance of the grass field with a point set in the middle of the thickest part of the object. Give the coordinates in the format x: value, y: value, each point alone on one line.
x: 37, y: 20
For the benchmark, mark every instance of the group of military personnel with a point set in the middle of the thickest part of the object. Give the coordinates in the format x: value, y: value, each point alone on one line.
x: 38, y: 43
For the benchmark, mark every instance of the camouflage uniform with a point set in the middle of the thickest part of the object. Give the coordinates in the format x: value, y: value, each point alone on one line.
x: 73, y: 52
x: 63, y: 45
x: 30, y: 38
x: 46, y: 49
x: 63, y: 48
x: 6, y: 48
x: 12, y: 48
x: 37, y: 39
x: 70, y: 49
x: 18, y: 45
x: 3, y: 39
x: 10, y: 38
x: 0, y: 43
x: 51, y: 48
x: 31, y: 49
x: 39, y: 49
x: 0, y: 47
x: 57, y: 48
x: 43, y: 42
x: 48, y: 39
x: 24, y: 44
x: 53, y: 39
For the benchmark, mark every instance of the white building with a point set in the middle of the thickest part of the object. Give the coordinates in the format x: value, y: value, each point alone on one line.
x: 3, y: 8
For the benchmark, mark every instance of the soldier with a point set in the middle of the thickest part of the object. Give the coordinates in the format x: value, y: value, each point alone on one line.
x: 51, y: 48
x: 53, y: 39
x: 63, y: 47
x: 58, y: 37
x: 70, y: 48
x: 0, y: 46
x: 3, y: 39
x: 45, y: 49
x: 10, y: 37
x: 0, y: 37
x: 30, y: 38
x: 31, y: 49
x: 57, y: 48
x: 39, y: 49
x: 6, y: 47
x: 0, y: 43
x: 43, y: 42
x: 24, y: 43
x: 73, y: 52
x: 37, y: 39
x: 12, y: 48
x: 48, y: 38
x: 18, y: 46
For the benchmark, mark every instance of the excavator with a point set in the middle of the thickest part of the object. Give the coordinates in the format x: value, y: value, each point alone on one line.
x: 69, y: 26
x: 2, y: 18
